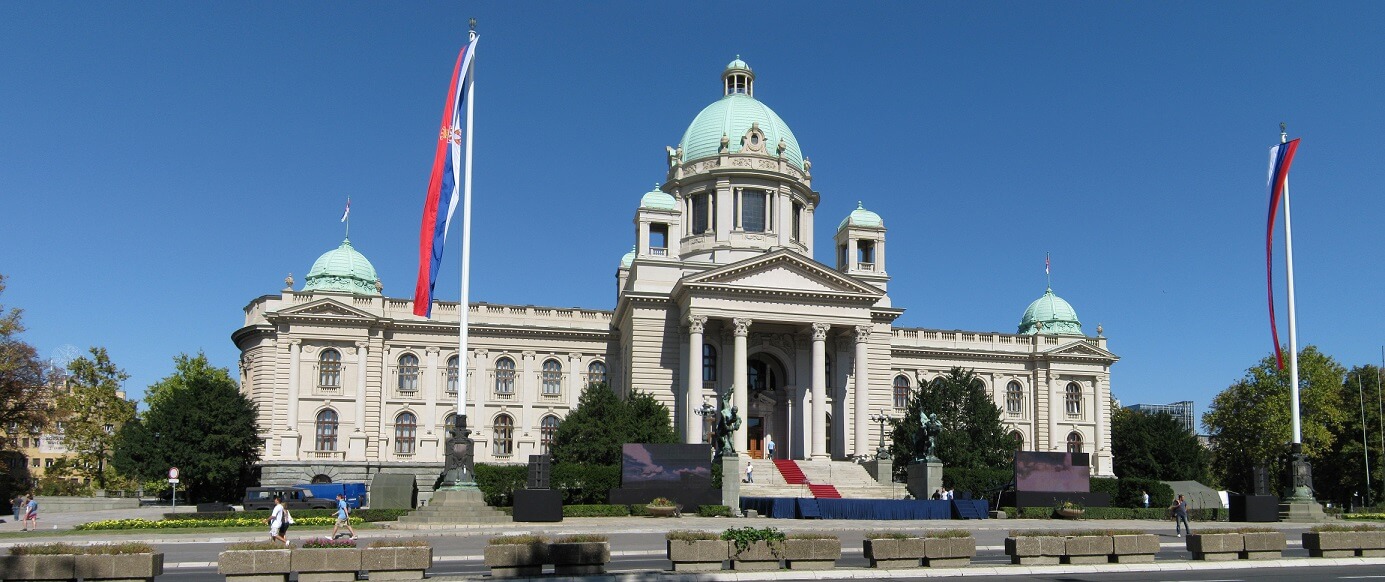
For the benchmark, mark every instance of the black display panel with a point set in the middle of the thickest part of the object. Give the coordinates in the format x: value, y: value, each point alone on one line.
x: 647, y: 465
x: 1036, y: 471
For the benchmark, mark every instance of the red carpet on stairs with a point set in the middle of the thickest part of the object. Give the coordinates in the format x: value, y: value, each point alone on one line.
x: 824, y: 491
x: 789, y: 469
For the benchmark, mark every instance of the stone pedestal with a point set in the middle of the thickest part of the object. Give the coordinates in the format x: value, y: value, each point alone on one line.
x: 731, y: 483
x: 455, y: 507
x: 925, y: 478
x: 1298, y: 503
x: 880, y: 469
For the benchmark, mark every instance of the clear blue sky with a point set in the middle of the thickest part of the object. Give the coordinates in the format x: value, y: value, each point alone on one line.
x: 163, y: 163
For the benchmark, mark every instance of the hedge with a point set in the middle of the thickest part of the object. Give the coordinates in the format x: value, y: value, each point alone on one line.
x: 1153, y: 513
x: 1127, y: 491
x: 580, y: 484
x: 977, y: 481
x: 365, y: 515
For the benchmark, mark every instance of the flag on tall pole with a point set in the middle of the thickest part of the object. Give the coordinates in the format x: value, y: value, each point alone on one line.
x: 1281, y: 157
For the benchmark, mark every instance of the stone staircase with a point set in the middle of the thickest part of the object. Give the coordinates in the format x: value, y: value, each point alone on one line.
x: 453, y: 507
x: 850, y: 480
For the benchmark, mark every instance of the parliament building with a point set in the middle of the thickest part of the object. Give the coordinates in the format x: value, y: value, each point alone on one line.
x: 721, y: 292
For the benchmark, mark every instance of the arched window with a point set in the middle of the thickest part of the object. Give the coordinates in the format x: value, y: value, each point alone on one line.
x: 1074, y: 398
x: 329, y: 369
x: 901, y: 391
x: 448, y: 421
x: 408, y: 373
x: 547, y: 428
x: 596, y: 372
x: 504, y: 376
x: 504, y: 435
x: 326, y: 430
x: 1074, y: 442
x: 1017, y: 440
x: 709, y: 363
x: 552, y: 377
x: 453, y: 371
x: 1014, y: 398
x: 405, y: 431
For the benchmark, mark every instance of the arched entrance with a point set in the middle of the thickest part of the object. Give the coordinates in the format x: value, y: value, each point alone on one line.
x: 765, y: 377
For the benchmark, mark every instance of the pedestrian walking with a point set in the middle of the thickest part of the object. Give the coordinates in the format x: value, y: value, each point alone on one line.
x: 279, y: 522
x: 343, y: 517
x: 769, y: 445
x: 1145, y: 496
x: 1180, y: 515
x: 31, y: 514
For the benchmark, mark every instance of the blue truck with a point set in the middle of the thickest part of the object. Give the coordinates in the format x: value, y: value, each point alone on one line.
x: 356, y: 496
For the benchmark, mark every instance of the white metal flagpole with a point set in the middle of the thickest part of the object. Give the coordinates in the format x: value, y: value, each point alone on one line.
x: 1293, y: 323
x: 464, y: 305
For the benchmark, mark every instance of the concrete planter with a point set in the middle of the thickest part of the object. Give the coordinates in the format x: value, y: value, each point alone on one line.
x: 1372, y: 544
x: 508, y: 561
x: 1134, y: 549
x: 892, y: 553
x: 397, y: 563
x: 326, y: 564
x: 1332, y: 544
x: 1216, y: 547
x: 1267, y: 545
x: 812, y: 554
x: 255, y: 565
x: 758, y: 556
x: 660, y: 511
x: 698, y: 555
x: 57, y: 567
x: 949, y: 552
x: 579, y: 558
x: 123, y: 567
x: 1087, y: 550
x: 1035, y: 550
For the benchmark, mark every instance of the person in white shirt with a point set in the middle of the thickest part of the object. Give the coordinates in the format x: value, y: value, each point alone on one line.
x: 947, y: 493
x: 749, y: 472
x: 279, y: 521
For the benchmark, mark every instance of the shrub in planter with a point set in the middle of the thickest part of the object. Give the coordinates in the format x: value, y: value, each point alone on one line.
x: 1340, y: 541
x: 255, y: 561
x: 948, y: 548
x: 509, y: 556
x: 812, y: 551
x: 1034, y: 548
x: 579, y: 555
x: 893, y: 549
x: 662, y: 507
x: 41, y: 562
x: 398, y: 559
x: 1086, y: 547
x: 1262, y: 544
x: 755, y: 548
x: 124, y: 561
x: 713, y: 511
x: 324, y: 560
x: 1128, y: 547
x: 696, y: 551
x: 1214, y: 545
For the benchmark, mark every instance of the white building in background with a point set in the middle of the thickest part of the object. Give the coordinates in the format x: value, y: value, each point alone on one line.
x: 721, y: 292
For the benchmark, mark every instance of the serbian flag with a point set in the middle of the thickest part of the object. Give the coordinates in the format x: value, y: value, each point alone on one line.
x: 1281, y: 157
x: 444, y: 184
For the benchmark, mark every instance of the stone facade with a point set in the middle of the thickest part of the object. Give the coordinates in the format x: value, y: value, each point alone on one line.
x: 720, y: 293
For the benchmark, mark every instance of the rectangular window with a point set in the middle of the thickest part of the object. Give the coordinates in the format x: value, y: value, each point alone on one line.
x: 797, y: 221
x: 699, y: 213
x: 658, y: 239
x: 753, y: 211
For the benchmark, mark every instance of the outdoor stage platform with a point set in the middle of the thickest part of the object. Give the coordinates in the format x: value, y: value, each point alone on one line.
x: 812, y: 508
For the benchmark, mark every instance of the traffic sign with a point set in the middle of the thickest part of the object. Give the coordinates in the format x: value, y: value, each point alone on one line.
x: 173, y: 474
x: 173, y: 481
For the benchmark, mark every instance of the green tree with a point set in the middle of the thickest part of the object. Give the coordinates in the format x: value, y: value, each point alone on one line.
x: 200, y: 423
x: 24, y: 395
x: 594, y: 432
x: 1155, y: 446
x: 1250, y: 422
x: 1340, y: 476
x: 92, y: 411
x: 972, y: 435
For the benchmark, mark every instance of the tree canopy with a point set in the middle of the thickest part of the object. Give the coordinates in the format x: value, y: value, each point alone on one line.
x: 92, y: 411
x: 200, y: 423
x: 594, y: 432
x: 1341, y: 476
x: 1250, y: 422
x: 25, y: 400
x: 1155, y: 446
x: 972, y: 435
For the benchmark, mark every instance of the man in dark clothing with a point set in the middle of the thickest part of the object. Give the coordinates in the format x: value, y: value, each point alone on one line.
x: 1180, y: 514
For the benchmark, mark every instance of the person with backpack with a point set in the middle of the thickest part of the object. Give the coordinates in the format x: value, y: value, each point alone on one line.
x: 343, y: 517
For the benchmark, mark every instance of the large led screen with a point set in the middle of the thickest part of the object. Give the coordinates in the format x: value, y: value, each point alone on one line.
x: 646, y: 465
x: 1057, y: 472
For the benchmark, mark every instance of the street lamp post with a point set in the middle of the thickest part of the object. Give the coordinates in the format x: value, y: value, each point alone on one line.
x: 706, y: 411
x: 880, y: 451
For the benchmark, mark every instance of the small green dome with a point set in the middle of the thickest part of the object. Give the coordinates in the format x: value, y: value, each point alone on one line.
x: 628, y: 259
x: 731, y: 116
x: 1057, y: 316
x: 658, y: 200
x: 862, y: 217
x: 342, y: 270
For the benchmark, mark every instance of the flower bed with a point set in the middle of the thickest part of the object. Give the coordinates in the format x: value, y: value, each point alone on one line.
x: 117, y: 524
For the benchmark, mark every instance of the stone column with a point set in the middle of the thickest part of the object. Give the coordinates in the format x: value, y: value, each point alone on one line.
x: 692, y: 398
x: 288, y: 445
x: 740, y: 378
x: 820, y: 390
x: 434, y: 385
x: 861, y: 395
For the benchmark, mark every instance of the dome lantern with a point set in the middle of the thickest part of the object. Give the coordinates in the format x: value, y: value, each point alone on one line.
x: 738, y: 79
x: 738, y: 124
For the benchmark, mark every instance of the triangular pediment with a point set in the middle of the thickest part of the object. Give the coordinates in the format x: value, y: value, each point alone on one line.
x: 780, y: 272
x: 1082, y: 349
x: 326, y: 308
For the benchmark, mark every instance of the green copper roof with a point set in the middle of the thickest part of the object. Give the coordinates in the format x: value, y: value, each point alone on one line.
x: 659, y: 200
x: 342, y: 270
x: 1057, y: 316
x: 737, y: 65
x: 732, y: 117
x: 629, y: 258
x: 862, y: 217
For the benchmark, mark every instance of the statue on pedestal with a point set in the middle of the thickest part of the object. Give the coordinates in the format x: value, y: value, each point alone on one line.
x: 459, y: 468
x: 728, y: 422
x: 926, y: 439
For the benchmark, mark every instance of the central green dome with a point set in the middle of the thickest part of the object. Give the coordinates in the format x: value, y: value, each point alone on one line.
x: 732, y: 116
x: 1057, y: 316
x: 342, y: 270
